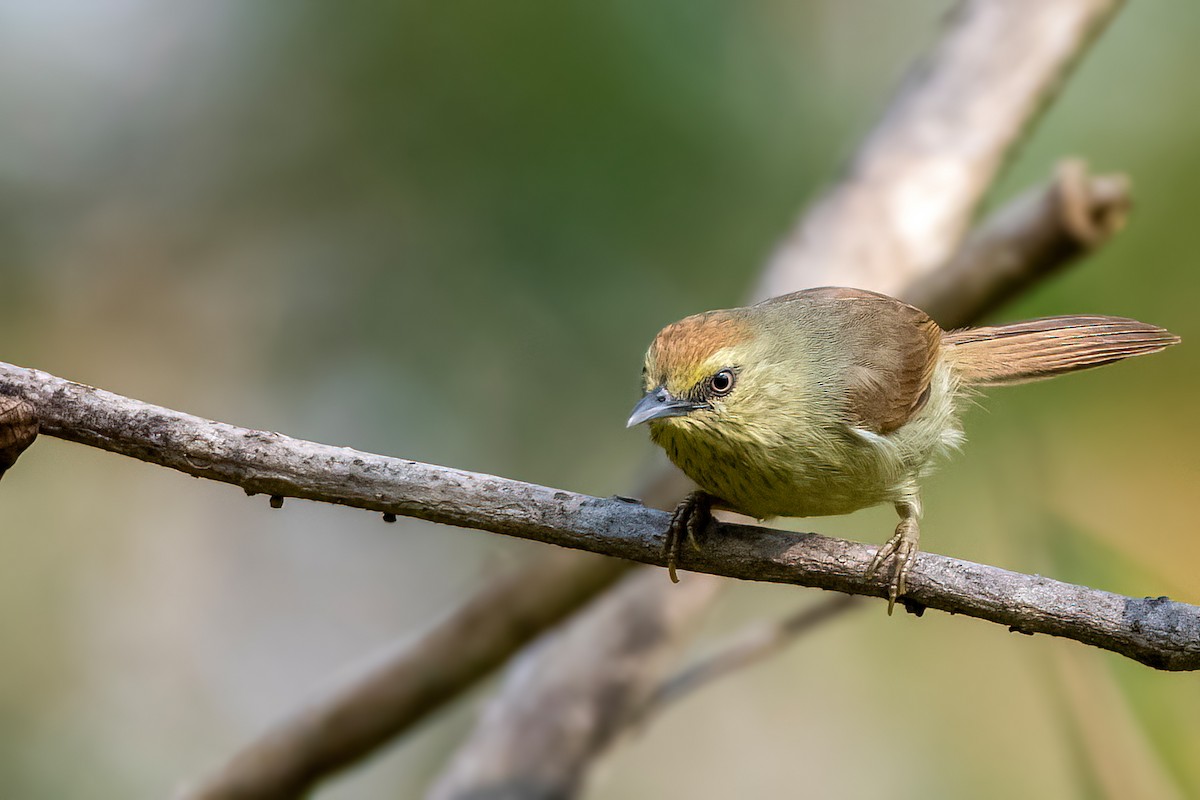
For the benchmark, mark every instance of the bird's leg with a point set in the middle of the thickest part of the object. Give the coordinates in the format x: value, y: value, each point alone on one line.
x: 903, y: 545
x: 691, y: 516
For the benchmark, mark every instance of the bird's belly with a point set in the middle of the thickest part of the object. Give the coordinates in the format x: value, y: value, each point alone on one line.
x: 764, y: 484
x: 803, y: 493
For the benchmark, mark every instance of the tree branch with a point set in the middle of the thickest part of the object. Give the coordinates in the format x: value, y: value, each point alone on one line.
x: 262, y: 462
x: 406, y: 684
x: 531, y: 692
x: 1156, y: 632
x: 747, y: 647
x: 1043, y: 230
x: 912, y: 187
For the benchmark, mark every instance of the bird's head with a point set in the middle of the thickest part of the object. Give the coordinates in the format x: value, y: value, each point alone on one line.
x: 695, y: 371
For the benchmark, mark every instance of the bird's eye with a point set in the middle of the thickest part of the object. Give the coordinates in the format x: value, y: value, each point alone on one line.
x: 722, y: 382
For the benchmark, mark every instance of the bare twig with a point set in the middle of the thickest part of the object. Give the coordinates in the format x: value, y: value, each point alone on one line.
x: 747, y: 647
x: 1053, y: 224
x: 261, y: 462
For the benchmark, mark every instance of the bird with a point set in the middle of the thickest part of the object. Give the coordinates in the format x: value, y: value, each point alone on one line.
x: 833, y: 399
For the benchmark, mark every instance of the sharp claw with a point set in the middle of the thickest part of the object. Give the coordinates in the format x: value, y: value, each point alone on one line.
x: 673, y: 551
x: 903, y: 548
x: 881, y: 555
x: 692, y: 526
x: 689, y: 517
x: 896, y: 587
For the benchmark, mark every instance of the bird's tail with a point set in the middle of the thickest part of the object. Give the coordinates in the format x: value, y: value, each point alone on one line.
x: 1042, y: 348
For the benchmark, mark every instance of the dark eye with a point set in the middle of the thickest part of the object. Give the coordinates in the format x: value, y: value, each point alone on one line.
x: 722, y: 382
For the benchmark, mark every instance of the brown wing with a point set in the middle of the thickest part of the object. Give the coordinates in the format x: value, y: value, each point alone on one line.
x: 887, y: 349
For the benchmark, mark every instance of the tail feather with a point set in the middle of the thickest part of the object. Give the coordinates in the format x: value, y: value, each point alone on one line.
x: 1042, y: 348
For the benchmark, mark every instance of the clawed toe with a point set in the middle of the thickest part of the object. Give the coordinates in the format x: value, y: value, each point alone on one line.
x: 902, y: 548
x: 691, y: 517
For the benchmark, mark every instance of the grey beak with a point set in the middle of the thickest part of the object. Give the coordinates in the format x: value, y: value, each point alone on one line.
x: 657, y: 404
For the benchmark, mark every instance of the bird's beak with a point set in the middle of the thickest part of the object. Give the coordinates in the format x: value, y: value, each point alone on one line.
x: 657, y: 404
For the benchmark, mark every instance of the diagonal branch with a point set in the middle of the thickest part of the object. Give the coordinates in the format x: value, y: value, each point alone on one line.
x: 1043, y: 230
x: 912, y: 187
x: 412, y: 680
x: 1156, y: 632
x: 745, y: 648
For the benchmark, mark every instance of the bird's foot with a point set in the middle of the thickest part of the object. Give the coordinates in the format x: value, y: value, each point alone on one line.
x: 903, y: 546
x: 690, y: 518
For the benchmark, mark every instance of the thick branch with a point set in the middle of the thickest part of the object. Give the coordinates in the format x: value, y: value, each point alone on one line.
x: 261, y: 462
x: 1051, y: 225
x: 912, y: 187
x: 1157, y: 632
x: 647, y: 641
x: 344, y: 724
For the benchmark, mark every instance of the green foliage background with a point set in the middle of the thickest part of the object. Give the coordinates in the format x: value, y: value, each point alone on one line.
x: 447, y: 231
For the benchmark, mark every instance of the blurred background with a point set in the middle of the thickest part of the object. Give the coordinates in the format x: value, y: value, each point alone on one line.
x: 414, y: 228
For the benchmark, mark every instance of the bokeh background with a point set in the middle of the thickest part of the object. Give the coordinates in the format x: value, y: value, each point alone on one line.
x: 447, y: 231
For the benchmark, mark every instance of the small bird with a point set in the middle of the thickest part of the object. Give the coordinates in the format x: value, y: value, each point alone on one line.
x: 829, y: 400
